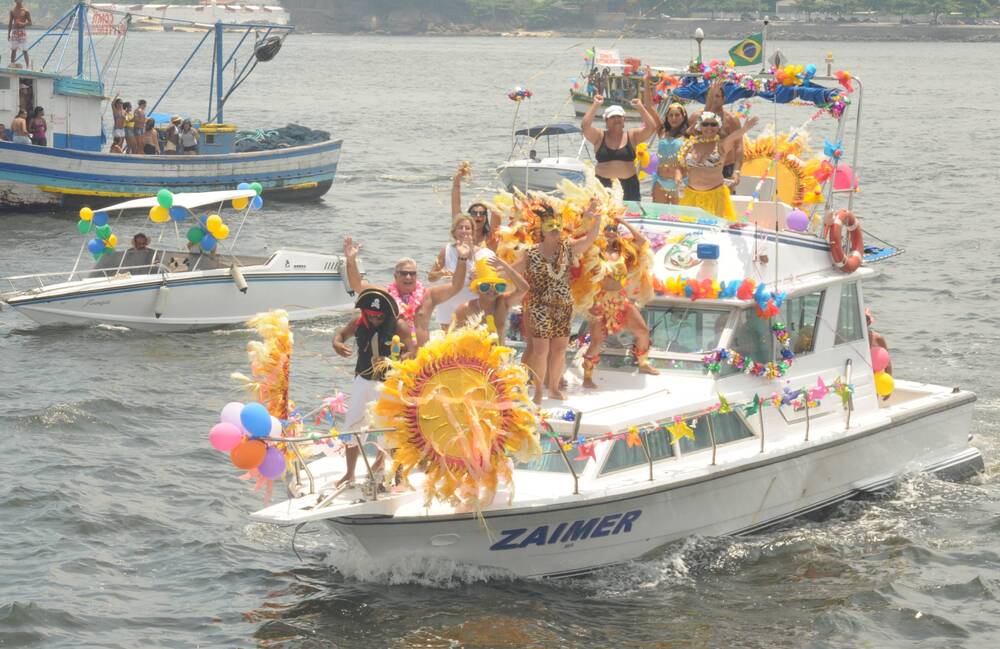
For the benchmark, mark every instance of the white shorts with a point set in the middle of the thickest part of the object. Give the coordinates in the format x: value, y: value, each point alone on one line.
x: 363, y: 392
x: 118, y: 132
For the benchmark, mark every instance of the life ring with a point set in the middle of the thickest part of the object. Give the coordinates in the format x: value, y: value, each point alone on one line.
x: 840, y: 221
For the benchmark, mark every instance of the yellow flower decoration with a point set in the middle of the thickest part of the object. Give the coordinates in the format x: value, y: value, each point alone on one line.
x: 458, y: 409
x: 680, y: 429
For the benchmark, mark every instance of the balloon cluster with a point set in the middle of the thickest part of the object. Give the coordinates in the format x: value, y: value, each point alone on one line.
x: 794, y: 75
x: 103, y: 241
x: 716, y: 69
x: 208, y: 233
x: 588, y: 56
x: 645, y: 160
x: 243, y: 432
x: 884, y: 384
x: 664, y: 87
x: 768, y: 302
x: 254, y: 203
x: 519, y: 94
x: 165, y: 210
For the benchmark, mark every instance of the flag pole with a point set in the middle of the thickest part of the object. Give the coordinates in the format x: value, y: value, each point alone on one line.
x: 763, y: 45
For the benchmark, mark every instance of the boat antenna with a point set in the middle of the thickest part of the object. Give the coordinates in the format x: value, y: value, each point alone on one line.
x: 763, y: 44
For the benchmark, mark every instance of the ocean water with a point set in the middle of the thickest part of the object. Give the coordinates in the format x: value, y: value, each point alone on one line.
x: 120, y: 527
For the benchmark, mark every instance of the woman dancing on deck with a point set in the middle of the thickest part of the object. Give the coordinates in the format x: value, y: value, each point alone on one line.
x: 702, y: 157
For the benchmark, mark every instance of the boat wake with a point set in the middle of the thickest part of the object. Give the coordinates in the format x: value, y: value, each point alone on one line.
x: 354, y: 563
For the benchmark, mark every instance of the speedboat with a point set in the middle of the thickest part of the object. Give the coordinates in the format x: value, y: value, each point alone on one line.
x: 183, y: 287
x: 544, y: 174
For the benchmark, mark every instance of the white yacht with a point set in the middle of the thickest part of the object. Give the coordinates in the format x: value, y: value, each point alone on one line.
x: 544, y: 171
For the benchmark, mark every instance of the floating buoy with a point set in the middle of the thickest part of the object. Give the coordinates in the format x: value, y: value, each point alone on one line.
x: 238, y: 279
x: 161, y: 300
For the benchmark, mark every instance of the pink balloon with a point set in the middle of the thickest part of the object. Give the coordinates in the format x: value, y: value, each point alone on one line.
x: 273, y: 464
x: 225, y: 437
x: 844, y: 178
x: 231, y: 414
x: 880, y: 358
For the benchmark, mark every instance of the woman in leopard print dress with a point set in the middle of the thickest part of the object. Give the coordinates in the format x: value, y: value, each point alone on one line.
x: 546, y: 266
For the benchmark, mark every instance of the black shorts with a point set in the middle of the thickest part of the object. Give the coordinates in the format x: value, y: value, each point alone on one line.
x: 630, y: 187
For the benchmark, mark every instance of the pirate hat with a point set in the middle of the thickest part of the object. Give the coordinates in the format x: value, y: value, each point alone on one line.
x: 376, y: 299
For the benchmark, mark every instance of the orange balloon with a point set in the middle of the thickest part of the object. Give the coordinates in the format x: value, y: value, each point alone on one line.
x: 248, y: 454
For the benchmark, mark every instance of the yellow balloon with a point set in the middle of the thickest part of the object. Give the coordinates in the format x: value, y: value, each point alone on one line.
x: 158, y: 214
x: 86, y: 214
x: 240, y: 203
x: 221, y: 232
x: 884, y: 385
x: 213, y: 222
x: 112, y: 240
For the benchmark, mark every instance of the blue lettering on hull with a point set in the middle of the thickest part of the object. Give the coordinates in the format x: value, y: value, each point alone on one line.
x: 579, y: 530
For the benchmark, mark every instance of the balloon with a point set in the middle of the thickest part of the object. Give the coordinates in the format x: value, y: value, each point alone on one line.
x: 159, y: 214
x: 273, y: 464
x: 103, y: 232
x: 275, y: 426
x: 165, y: 198
x: 654, y: 162
x: 880, y: 359
x: 95, y: 246
x: 884, y: 384
x: 256, y: 203
x: 213, y: 223
x: 257, y: 187
x: 221, y: 232
x: 225, y: 436
x: 178, y: 213
x: 810, y: 71
x: 86, y: 213
x: 83, y: 226
x: 208, y: 242
x: 112, y: 240
x: 231, y: 414
x: 844, y: 177
x: 100, y: 218
x: 797, y: 220
x: 240, y: 203
x: 195, y: 235
x: 248, y: 454
x: 256, y: 420
x: 243, y: 186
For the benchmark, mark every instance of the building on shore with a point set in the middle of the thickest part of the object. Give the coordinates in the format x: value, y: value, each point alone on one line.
x: 205, y: 12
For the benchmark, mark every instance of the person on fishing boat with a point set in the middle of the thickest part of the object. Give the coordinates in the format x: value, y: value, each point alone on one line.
x: 38, y: 127
x: 715, y: 98
x: 118, y: 115
x: 416, y: 301
x: 130, y: 128
x: 673, y: 134
x: 17, y: 23
x: 188, y: 136
x: 702, y: 158
x: 150, y: 140
x: 486, y: 224
x: 626, y: 264
x: 463, y: 232
x: 546, y: 266
x: 19, y: 128
x: 494, y: 295
x: 139, y: 127
x: 376, y: 331
x: 615, y: 145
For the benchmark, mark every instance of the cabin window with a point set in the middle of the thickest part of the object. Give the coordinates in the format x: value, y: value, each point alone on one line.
x: 552, y: 460
x: 801, y: 315
x: 686, y: 330
x: 4, y: 83
x: 849, y: 326
x: 623, y: 457
x: 728, y: 428
x: 752, y: 336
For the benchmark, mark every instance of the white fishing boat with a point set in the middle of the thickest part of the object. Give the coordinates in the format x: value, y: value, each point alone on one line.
x: 539, y: 172
x: 182, y: 287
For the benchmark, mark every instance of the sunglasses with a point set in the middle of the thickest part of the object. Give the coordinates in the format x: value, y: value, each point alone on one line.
x: 477, y: 212
x: 712, y: 124
x: 486, y: 287
x: 407, y: 273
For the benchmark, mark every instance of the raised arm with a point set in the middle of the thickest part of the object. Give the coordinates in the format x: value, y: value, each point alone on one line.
x: 456, y: 187
x: 579, y: 246
x: 353, y: 274
x: 443, y: 292
x: 650, y: 126
x: 520, y: 284
x: 737, y: 135
x: 438, y: 271
x: 592, y: 134
x: 637, y: 237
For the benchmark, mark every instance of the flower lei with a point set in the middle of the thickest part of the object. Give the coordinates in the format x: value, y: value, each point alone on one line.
x: 689, y: 143
x: 408, y: 310
x: 743, y: 363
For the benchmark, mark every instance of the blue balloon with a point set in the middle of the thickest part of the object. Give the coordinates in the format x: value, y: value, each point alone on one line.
x: 256, y: 203
x: 100, y: 218
x: 178, y: 213
x: 256, y: 420
x: 810, y: 71
x: 208, y: 242
x: 203, y: 219
x: 95, y: 246
x: 243, y: 186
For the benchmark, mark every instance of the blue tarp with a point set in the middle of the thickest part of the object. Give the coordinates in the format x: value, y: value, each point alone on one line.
x: 694, y: 89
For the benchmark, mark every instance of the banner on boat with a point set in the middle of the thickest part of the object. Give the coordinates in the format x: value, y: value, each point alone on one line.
x: 607, y: 57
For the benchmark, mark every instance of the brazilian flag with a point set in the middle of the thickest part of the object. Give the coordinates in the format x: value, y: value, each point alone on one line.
x: 749, y: 51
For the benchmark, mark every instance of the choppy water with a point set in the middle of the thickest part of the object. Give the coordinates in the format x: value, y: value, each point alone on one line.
x: 120, y: 527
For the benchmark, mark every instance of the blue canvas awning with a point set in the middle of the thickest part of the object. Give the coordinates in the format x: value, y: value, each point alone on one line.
x: 693, y: 88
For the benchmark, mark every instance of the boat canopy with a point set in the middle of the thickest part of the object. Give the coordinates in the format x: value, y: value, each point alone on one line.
x: 694, y: 88
x: 562, y: 128
x: 190, y: 200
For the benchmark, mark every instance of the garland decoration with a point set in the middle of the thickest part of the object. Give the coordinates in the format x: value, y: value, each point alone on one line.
x: 747, y: 365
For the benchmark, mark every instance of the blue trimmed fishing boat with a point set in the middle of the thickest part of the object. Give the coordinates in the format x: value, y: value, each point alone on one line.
x: 73, y: 169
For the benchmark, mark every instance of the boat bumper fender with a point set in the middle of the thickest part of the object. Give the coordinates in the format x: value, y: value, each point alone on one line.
x: 238, y: 279
x: 161, y: 300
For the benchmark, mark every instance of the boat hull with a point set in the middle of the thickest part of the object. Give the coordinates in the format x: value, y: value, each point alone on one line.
x: 542, y: 176
x: 552, y: 541
x: 33, y: 177
x: 582, y: 102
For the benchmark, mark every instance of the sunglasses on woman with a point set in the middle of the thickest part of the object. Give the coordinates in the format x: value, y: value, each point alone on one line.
x: 486, y: 287
x: 477, y: 212
x: 710, y: 124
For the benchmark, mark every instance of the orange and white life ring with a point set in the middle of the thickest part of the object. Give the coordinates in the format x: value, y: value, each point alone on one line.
x: 836, y: 225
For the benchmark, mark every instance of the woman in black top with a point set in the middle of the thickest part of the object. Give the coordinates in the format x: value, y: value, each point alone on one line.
x: 615, y: 147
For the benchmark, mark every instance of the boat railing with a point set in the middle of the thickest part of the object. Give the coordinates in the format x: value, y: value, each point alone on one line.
x: 39, y: 280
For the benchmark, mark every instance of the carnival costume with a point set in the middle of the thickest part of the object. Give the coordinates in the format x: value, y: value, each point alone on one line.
x: 375, y: 347
x: 716, y: 200
x: 667, y: 150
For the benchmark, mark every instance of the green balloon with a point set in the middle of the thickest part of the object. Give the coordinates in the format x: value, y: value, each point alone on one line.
x: 257, y: 187
x: 165, y: 198
x: 195, y: 235
x: 103, y: 232
x: 84, y: 226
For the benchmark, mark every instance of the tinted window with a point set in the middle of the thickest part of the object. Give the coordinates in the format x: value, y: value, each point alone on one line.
x: 623, y: 457
x: 849, y: 315
x: 685, y: 330
x: 728, y: 428
x: 801, y: 315
x: 552, y: 460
